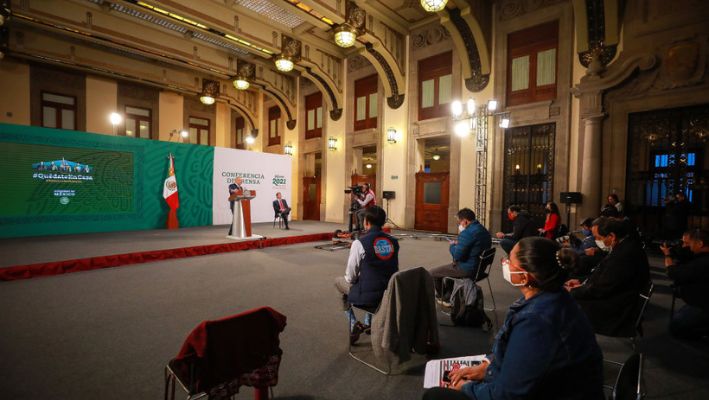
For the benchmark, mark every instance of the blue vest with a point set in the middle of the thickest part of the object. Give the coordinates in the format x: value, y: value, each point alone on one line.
x: 381, y: 261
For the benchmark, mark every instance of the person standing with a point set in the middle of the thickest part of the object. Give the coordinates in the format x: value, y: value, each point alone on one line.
x: 280, y: 207
x: 373, y: 259
x: 365, y: 200
x: 473, y: 239
x: 233, y: 188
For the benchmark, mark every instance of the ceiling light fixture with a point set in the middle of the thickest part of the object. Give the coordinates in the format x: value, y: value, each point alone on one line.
x: 345, y: 36
x: 433, y: 5
x: 436, y: 157
x: 210, y: 90
x: 241, y: 83
x: 284, y: 64
x: 369, y: 166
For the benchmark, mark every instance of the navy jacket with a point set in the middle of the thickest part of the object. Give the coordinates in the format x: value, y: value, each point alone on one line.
x: 471, y: 242
x: 277, y: 207
x: 381, y: 261
x: 546, y: 349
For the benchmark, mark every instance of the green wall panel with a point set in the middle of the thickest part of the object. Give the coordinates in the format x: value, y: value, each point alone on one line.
x: 114, y: 199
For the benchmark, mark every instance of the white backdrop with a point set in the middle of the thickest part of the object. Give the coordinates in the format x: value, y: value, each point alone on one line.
x: 265, y: 173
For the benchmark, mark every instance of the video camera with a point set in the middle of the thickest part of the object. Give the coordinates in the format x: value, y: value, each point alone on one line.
x: 356, y: 190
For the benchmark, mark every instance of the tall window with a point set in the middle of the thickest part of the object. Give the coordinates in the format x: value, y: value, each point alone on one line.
x: 137, y: 122
x: 366, y: 107
x: 274, y: 126
x: 58, y: 111
x: 531, y: 64
x: 199, y: 130
x: 313, y: 115
x: 435, y: 84
x: 240, y: 132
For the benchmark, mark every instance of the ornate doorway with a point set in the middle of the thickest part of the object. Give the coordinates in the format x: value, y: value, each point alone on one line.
x: 667, y: 153
x: 529, y: 170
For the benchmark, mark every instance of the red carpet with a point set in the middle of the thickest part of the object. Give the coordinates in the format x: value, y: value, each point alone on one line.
x: 117, y: 260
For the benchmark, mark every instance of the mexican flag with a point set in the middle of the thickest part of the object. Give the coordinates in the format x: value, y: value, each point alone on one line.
x: 169, y: 193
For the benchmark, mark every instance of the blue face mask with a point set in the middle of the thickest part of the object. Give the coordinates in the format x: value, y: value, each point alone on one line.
x: 586, y: 232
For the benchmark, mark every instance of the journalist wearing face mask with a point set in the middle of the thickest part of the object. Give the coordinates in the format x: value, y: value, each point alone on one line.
x: 473, y: 239
x: 546, y: 348
x: 610, y: 293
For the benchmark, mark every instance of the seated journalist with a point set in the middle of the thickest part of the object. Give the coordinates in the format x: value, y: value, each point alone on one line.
x: 690, y: 277
x: 473, y: 239
x: 546, y: 348
x: 610, y: 295
x: 373, y: 259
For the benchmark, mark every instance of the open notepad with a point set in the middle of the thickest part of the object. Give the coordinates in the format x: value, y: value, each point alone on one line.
x: 437, y: 370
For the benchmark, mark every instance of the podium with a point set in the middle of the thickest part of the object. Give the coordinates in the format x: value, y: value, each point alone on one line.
x: 241, y: 220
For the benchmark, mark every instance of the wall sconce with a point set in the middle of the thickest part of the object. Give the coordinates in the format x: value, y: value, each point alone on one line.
x: 332, y: 143
x: 392, y: 135
x: 210, y: 90
x: 505, y: 121
x: 288, y: 149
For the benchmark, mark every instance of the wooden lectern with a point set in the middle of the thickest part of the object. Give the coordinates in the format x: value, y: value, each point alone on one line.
x: 241, y: 222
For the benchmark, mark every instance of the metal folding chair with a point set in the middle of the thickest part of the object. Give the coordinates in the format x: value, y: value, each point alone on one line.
x: 370, y: 310
x: 629, y: 382
x: 484, y: 267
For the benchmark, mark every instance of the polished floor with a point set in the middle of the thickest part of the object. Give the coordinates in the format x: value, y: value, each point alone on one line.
x: 108, y: 333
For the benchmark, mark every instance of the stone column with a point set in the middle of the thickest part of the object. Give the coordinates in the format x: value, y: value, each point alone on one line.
x: 591, y: 167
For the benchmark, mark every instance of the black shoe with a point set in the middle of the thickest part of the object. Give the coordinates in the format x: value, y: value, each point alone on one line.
x: 357, y: 330
x: 287, y: 228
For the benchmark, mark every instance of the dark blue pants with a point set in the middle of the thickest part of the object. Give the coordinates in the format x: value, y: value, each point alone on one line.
x: 507, y: 244
x: 690, y: 322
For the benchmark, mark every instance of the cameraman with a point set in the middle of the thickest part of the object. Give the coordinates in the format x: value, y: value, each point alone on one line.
x: 692, y: 320
x: 365, y: 199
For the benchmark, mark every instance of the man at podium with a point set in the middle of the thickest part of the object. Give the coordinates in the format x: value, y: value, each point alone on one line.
x: 233, y: 188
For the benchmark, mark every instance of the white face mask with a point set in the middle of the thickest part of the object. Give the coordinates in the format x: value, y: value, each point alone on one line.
x: 601, y: 245
x: 507, y: 274
x: 461, y: 228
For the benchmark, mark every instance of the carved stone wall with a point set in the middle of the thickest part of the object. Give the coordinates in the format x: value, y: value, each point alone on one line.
x: 678, y: 37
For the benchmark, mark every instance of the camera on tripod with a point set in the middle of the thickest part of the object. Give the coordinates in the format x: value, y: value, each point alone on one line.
x: 356, y: 190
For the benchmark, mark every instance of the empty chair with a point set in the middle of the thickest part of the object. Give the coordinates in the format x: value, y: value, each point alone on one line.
x: 405, y: 321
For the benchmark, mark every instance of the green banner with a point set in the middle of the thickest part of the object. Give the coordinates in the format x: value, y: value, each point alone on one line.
x: 61, y: 182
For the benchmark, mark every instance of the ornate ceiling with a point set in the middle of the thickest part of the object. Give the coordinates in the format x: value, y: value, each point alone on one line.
x: 182, y: 42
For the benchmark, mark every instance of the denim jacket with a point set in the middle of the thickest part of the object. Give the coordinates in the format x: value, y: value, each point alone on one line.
x: 546, y: 349
x: 471, y: 242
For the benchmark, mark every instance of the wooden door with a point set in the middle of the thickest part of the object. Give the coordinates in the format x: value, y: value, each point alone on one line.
x: 432, y: 201
x: 311, y: 198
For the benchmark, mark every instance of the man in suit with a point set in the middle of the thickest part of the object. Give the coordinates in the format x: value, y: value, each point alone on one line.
x: 233, y: 188
x: 610, y: 295
x: 473, y: 239
x: 522, y: 227
x: 280, y: 207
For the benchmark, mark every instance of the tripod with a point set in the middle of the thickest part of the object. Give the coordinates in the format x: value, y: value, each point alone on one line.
x: 389, y: 220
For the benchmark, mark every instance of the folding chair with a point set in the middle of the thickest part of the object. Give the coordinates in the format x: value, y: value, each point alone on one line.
x: 629, y: 382
x: 486, y: 259
x: 371, y: 310
x: 278, y: 218
x: 221, y: 355
x: 415, y: 283
x: 643, y: 301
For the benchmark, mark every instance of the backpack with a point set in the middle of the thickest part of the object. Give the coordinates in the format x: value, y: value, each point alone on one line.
x: 472, y: 315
